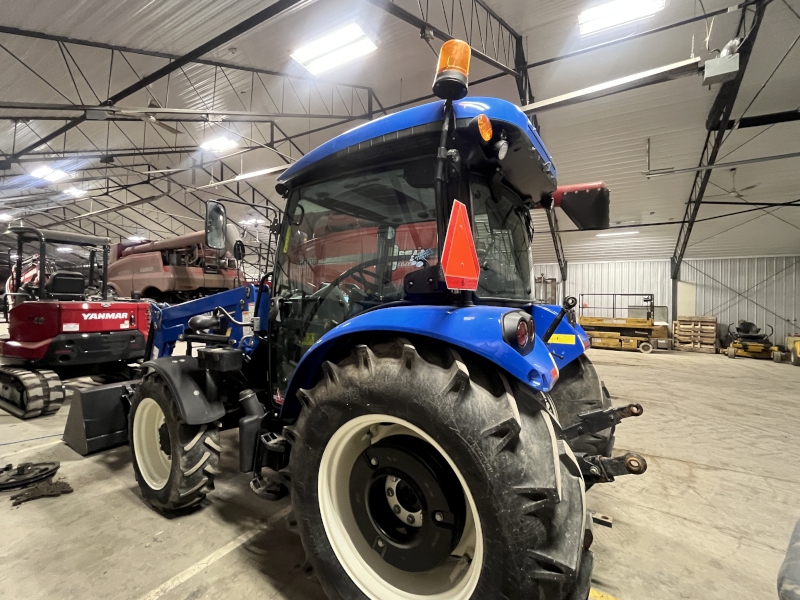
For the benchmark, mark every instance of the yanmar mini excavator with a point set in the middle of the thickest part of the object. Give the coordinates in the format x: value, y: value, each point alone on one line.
x: 56, y: 329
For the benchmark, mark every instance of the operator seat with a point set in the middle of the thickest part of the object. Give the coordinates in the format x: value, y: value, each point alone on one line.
x: 66, y: 285
x: 750, y: 332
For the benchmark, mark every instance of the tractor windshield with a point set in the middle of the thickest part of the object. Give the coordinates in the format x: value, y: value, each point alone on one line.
x: 503, y: 234
x: 352, y: 240
x: 349, y: 244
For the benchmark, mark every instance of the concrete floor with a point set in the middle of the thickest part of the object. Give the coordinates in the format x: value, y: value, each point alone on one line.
x: 709, y: 520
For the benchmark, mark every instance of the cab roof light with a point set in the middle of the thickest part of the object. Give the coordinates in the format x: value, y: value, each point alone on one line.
x: 452, y: 72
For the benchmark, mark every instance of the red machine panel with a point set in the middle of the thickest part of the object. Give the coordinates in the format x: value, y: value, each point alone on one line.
x: 90, y: 317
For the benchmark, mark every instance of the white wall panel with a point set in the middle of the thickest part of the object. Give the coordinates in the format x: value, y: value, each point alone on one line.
x: 630, y: 277
x: 763, y: 290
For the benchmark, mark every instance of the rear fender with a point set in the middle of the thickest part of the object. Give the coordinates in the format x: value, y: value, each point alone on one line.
x: 568, y: 342
x: 193, y: 389
x: 477, y: 329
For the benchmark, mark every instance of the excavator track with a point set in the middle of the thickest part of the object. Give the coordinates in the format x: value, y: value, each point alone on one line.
x: 28, y: 393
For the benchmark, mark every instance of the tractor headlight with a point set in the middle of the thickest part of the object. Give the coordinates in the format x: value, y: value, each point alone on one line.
x: 501, y: 148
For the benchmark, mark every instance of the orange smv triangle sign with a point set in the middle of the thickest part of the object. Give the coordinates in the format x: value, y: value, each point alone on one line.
x: 459, y: 258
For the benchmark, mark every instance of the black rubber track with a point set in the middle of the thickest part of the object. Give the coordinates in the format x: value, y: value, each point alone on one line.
x: 196, y: 448
x: 533, y: 525
x: 579, y: 390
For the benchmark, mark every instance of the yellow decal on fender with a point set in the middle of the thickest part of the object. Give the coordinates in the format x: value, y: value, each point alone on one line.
x: 562, y: 338
x: 309, y: 339
x: 286, y: 241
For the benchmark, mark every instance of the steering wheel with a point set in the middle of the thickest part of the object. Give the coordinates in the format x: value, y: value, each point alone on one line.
x: 361, y: 278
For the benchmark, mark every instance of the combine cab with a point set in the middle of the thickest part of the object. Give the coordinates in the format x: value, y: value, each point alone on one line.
x: 56, y: 329
x: 176, y: 270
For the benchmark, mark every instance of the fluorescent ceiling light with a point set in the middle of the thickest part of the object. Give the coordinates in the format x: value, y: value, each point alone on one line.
x: 6, y: 217
x: 64, y: 249
x: 75, y: 192
x: 252, y: 222
x: 220, y: 144
x: 49, y: 174
x: 617, y: 233
x: 618, y: 12
x: 136, y: 238
x: 337, y: 48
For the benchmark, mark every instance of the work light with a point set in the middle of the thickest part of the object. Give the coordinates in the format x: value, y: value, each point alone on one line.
x: 452, y: 72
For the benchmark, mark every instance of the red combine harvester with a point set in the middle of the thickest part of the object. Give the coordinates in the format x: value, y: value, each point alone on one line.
x: 56, y: 330
x: 176, y: 270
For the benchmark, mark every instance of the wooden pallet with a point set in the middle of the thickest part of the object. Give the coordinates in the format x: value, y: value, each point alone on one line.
x: 695, y: 334
x: 693, y: 347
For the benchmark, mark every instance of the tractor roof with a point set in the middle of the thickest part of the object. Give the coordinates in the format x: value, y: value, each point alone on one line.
x: 494, y: 108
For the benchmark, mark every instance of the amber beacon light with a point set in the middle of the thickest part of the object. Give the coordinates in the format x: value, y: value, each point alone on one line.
x: 452, y: 72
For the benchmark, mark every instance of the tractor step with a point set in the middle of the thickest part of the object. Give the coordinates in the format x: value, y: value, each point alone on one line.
x: 599, y: 469
x: 28, y: 393
x: 600, y: 419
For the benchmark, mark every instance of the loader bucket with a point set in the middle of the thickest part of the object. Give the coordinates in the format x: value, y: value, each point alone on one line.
x: 586, y: 204
x: 98, y: 417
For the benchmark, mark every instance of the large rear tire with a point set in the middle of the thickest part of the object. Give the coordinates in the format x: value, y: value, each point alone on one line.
x: 174, y: 463
x: 415, y: 475
x: 580, y: 390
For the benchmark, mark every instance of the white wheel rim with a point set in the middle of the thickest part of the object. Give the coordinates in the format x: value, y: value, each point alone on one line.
x: 154, y: 465
x: 455, y: 579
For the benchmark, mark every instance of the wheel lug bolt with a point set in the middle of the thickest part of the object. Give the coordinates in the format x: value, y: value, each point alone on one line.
x: 396, y: 509
x: 410, y: 519
x: 438, y: 516
x: 373, y: 462
x: 390, y: 492
x: 380, y: 544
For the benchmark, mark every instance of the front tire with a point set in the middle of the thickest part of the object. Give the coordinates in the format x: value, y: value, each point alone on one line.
x: 492, y: 505
x: 174, y: 463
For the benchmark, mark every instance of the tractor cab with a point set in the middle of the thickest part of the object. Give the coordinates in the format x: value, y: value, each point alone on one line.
x: 431, y: 205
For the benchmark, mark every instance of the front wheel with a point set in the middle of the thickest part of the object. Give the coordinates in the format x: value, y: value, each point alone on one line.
x: 795, y: 356
x: 777, y: 356
x: 174, y: 463
x: 417, y: 477
x: 731, y: 352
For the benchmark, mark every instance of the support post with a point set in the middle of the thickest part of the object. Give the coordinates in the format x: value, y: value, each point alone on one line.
x: 717, y: 125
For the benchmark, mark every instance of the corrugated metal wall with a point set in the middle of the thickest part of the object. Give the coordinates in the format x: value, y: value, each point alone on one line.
x: 765, y: 291
x: 630, y: 277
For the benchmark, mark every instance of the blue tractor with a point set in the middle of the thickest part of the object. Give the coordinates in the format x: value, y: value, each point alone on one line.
x: 435, y: 429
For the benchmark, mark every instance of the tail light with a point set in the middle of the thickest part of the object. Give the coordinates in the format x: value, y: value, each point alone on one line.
x: 519, y: 331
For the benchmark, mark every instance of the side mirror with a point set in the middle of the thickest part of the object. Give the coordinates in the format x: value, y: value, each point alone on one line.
x: 215, y: 225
